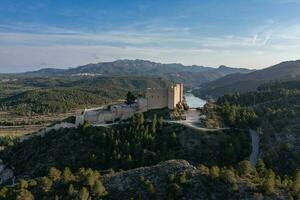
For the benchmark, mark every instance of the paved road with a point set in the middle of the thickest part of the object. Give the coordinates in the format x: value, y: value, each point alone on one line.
x: 255, y: 147
x: 193, y: 121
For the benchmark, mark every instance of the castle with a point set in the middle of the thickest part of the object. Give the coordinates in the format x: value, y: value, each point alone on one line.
x: 155, y: 98
x: 165, y: 97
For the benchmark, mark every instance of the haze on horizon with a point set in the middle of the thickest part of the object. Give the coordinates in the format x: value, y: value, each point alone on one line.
x: 254, y: 34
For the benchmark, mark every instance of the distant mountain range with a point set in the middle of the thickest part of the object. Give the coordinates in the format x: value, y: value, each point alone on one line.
x: 285, y: 71
x: 175, y: 72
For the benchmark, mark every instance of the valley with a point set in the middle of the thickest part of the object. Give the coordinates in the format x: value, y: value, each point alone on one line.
x: 233, y: 142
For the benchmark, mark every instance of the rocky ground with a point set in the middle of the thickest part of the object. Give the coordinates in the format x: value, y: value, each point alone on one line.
x: 155, y: 183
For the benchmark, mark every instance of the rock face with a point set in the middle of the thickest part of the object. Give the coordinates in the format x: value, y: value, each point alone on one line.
x: 191, y: 182
x: 129, y: 183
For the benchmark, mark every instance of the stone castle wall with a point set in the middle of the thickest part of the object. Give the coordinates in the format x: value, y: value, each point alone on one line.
x: 154, y: 99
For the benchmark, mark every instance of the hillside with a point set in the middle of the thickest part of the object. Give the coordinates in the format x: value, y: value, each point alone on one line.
x: 125, y: 146
x: 174, y: 72
x: 27, y: 96
x: 168, y: 161
x: 273, y: 110
x: 289, y: 70
x: 96, y: 169
x: 174, y: 179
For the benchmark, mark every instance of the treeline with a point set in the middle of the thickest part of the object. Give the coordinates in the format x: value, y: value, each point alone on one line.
x: 257, y: 182
x: 127, y: 146
x: 85, y: 184
x: 49, y: 101
x: 278, y: 103
x: 28, y: 96
x: 140, y: 142
x: 274, y: 111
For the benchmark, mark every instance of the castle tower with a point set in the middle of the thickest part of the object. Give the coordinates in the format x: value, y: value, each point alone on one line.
x: 175, y: 95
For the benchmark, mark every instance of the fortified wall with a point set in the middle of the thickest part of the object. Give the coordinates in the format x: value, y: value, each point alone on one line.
x: 155, y: 98
x: 162, y: 98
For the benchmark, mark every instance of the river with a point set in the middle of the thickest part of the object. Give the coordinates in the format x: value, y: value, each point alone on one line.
x: 193, y: 101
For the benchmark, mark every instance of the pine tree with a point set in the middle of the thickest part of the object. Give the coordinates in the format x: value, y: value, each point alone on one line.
x: 214, y: 171
x: 269, y: 184
x: 54, y: 173
x: 84, y: 194
x: 99, y: 189
x: 260, y: 167
x: 25, y: 195
x: 67, y: 175
x: 71, y: 190
x: 296, y: 184
x: 45, y: 184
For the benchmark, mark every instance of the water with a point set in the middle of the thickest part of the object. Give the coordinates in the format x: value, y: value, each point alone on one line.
x: 193, y: 101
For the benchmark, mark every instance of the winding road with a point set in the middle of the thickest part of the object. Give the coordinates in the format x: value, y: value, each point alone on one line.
x: 192, y: 121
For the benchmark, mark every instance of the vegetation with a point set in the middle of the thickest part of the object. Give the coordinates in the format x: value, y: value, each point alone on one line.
x: 85, y: 184
x: 130, y: 98
x: 141, y: 142
x: 170, y: 180
x: 29, y: 96
x: 274, y: 111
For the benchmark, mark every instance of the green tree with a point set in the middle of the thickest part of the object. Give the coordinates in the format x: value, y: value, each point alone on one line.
x: 25, y: 195
x: 99, y: 189
x: 67, y: 175
x: 296, y: 184
x: 130, y: 98
x: 45, y: 184
x: 245, y: 168
x: 83, y: 194
x: 214, y: 171
x: 54, y: 173
x: 71, y: 190
x: 269, y: 183
x: 23, y: 184
x: 260, y: 167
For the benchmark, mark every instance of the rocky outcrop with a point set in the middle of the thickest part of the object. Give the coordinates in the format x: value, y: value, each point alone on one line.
x: 129, y: 183
x: 192, y: 183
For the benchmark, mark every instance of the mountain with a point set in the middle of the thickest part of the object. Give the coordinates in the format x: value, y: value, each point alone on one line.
x: 289, y: 70
x: 175, y: 72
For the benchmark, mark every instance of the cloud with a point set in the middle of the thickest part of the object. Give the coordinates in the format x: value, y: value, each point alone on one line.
x: 58, y: 47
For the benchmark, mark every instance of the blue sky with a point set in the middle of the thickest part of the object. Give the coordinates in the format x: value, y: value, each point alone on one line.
x: 54, y: 33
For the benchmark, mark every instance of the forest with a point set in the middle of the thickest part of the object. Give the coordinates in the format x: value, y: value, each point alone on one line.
x: 273, y: 110
x: 35, y: 96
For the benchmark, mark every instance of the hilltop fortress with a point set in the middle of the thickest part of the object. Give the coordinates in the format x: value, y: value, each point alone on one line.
x: 155, y: 98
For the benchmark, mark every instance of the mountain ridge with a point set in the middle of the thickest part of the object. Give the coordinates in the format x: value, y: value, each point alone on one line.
x: 284, y: 71
x: 192, y: 74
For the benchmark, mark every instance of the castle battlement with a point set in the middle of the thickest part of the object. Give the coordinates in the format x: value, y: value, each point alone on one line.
x: 155, y: 98
x: 164, y: 97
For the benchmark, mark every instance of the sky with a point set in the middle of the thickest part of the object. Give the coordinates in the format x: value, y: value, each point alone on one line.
x: 37, y: 34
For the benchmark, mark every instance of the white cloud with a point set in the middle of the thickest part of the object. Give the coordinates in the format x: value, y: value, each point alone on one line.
x: 57, y: 47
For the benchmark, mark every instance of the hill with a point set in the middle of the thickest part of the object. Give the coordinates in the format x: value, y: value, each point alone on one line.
x: 125, y: 146
x: 289, y: 70
x: 173, y: 179
x: 273, y: 110
x: 27, y: 96
x: 174, y: 72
